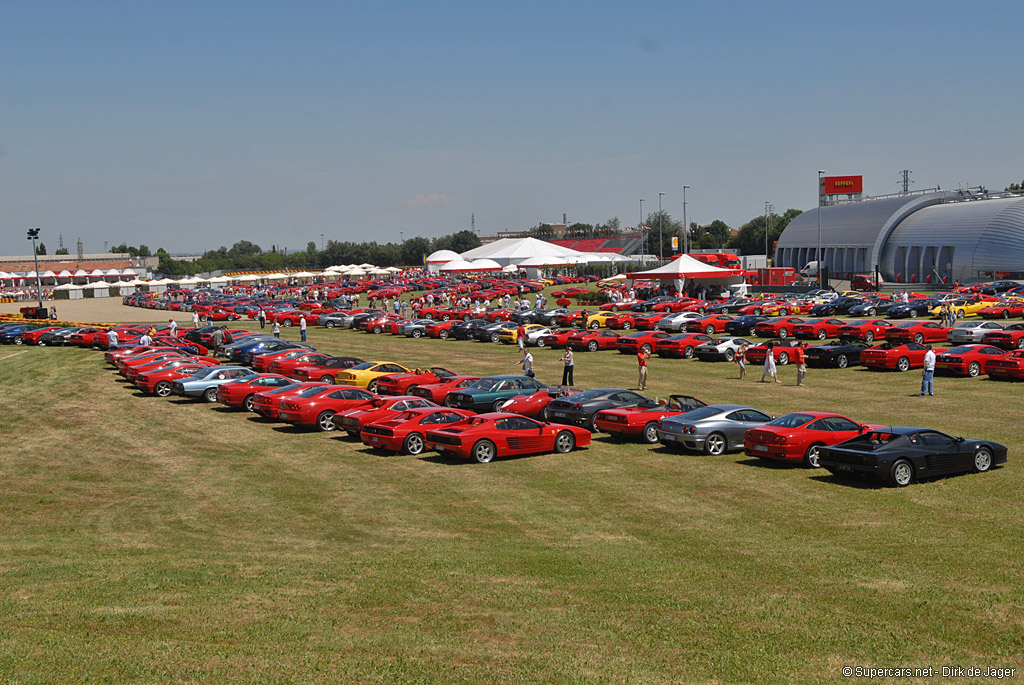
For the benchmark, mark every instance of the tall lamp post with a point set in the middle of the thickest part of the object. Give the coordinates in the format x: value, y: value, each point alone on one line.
x: 820, y: 260
x: 643, y: 235
x: 321, y: 242
x: 686, y: 226
x: 661, y: 222
x: 33, y: 234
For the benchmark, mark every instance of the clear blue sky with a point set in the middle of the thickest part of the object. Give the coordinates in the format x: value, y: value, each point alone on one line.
x: 191, y: 125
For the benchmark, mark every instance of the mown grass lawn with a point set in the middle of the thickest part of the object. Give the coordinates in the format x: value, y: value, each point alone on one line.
x: 146, y: 539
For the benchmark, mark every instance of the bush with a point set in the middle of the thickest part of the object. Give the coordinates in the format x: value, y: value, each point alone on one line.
x: 593, y: 297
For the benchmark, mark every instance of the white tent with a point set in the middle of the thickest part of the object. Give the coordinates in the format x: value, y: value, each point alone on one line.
x: 67, y: 291
x: 304, y: 274
x: 436, y: 259
x: 247, y: 278
x: 457, y: 266
x: 515, y: 250
x: 685, y: 267
x: 486, y: 265
x: 64, y: 274
x: 219, y: 280
x: 275, y: 277
x: 355, y: 271
x: 97, y: 289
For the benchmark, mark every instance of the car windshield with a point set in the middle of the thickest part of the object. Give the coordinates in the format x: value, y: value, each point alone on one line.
x: 590, y: 395
x: 790, y: 420
x: 700, y: 413
x: 364, y: 366
x: 962, y: 349
x: 311, y: 391
x: 484, y: 384
x: 967, y: 324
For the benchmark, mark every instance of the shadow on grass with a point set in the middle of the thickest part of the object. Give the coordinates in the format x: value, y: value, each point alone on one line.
x: 771, y: 464
x: 851, y: 481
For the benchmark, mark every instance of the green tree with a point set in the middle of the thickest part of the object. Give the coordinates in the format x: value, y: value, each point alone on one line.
x: 750, y: 238
x: 413, y: 251
x: 1015, y: 187
x: 41, y: 248
x: 143, y: 251
x: 61, y: 250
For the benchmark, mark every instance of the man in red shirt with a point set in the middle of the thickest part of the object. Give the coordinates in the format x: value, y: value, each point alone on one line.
x: 521, y: 337
x: 641, y: 359
x: 801, y: 362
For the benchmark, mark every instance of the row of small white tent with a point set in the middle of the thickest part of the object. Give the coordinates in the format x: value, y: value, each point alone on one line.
x: 78, y: 273
x: 356, y: 270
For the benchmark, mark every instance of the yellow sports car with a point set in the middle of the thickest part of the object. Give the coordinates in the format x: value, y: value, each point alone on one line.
x: 365, y: 375
x: 510, y: 336
x: 600, y: 319
x: 963, y: 308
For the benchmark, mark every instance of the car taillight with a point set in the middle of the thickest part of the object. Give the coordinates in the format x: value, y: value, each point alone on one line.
x: 577, y: 406
x: 780, y: 439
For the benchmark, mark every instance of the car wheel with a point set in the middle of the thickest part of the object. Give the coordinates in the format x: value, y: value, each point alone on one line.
x: 709, y: 330
x: 903, y: 364
x: 19, y: 341
x: 497, y: 405
x: 325, y: 421
x: 783, y: 333
x: 565, y: 442
x: 783, y: 358
x: 287, y: 323
x: 822, y: 334
x: 329, y: 380
x: 783, y: 312
x: 919, y: 338
x: 1020, y: 343
x: 417, y: 333
x: 484, y: 451
x: 494, y: 337
x: 377, y: 330
x: 982, y: 460
x: 1006, y: 313
x: 467, y: 317
x: 249, y: 401
x: 443, y: 335
x: 413, y: 444
x: 872, y: 311
x: 715, y: 444
x: 591, y: 423
x: 330, y: 324
x: 811, y: 457
x: 757, y: 312
x: 974, y: 369
x: 592, y: 346
x: 650, y: 433
x: 615, y: 308
x: 594, y: 325
x: 210, y: 395
x: 842, y: 361
x: 372, y: 385
x: 626, y: 325
x: 729, y: 355
x: 960, y: 314
x: 869, y: 337
x: 162, y: 389
x: 901, y: 474
x: 688, y: 352
x: 723, y: 310
x: 449, y: 402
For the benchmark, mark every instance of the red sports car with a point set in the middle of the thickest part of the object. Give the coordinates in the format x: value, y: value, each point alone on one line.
x: 124, y: 365
x: 535, y: 405
x: 710, y: 324
x: 680, y: 345
x: 917, y: 331
x: 267, y: 403
x: 288, y: 367
x: 378, y: 409
x: 217, y: 314
x: 158, y: 381
x: 557, y: 339
x: 1003, y: 310
x: 592, y: 341
x: 642, y: 422
x: 797, y: 436
x: 326, y: 372
x: 867, y: 331
x: 647, y: 322
x: 242, y: 393
x: 405, y: 432
x: 486, y: 436
x: 262, y: 362
x: 438, y: 391
x: 894, y: 355
x: 132, y: 373
x: 571, y: 319
x: 1008, y: 338
x: 625, y: 320
x: 32, y: 337
x: 1008, y: 367
x: 291, y: 318
x: 440, y: 329
x: 634, y: 342
x: 782, y: 350
x: 621, y: 305
x: 317, y: 408
x: 498, y: 315
x: 967, y: 360
x: 402, y: 383
x: 780, y: 327
x: 818, y: 329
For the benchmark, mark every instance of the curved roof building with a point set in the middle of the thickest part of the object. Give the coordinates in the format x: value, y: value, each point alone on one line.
x: 911, y: 238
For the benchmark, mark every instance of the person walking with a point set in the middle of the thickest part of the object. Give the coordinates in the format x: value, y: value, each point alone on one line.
x: 276, y: 330
x: 527, y: 363
x: 741, y: 359
x: 302, y: 327
x: 567, y: 360
x: 769, y: 365
x: 928, y: 375
x: 801, y: 362
x: 172, y: 325
x: 641, y: 359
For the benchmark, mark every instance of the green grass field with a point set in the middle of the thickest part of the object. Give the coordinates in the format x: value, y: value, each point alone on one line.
x: 150, y: 540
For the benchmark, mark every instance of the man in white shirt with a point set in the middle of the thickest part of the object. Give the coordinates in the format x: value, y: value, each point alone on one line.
x: 195, y: 319
x: 111, y: 339
x: 928, y: 375
x: 527, y: 363
x: 173, y: 326
x: 302, y: 327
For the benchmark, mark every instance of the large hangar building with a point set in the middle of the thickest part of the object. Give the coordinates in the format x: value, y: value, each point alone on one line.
x: 914, y: 238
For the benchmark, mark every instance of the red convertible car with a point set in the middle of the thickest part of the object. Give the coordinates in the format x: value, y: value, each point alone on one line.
x: 818, y: 329
x: 315, y: 407
x: 632, y: 343
x: 592, y: 341
x: 402, y: 383
x: 1008, y: 338
x: 438, y: 391
x: 894, y: 355
x: 267, y: 403
x: 917, y: 331
x: 536, y: 404
x: 780, y: 327
x: 797, y: 436
x: 967, y: 360
x: 642, y: 422
x: 1008, y: 367
x: 405, y: 433
x: 865, y: 330
x: 680, y: 345
x: 242, y: 393
x: 486, y: 436
x: 378, y: 409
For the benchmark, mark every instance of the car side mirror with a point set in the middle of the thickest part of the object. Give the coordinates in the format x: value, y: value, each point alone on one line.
x: 960, y: 439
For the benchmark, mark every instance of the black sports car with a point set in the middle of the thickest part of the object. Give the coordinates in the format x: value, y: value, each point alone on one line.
x: 838, y: 353
x: 466, y: 330
x: 840, y: 305
x: 900, y: 454
x: 871, y: 308
x: 913, y: 309
x: 744, y: 325
x: 581, y: 408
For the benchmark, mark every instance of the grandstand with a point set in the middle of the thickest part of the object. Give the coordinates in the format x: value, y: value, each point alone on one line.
x: 625, y: 245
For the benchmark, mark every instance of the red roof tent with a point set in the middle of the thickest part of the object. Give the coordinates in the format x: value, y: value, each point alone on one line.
x: 685, y: 266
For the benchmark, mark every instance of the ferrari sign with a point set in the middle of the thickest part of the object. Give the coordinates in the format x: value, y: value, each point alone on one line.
x: 841, y: 185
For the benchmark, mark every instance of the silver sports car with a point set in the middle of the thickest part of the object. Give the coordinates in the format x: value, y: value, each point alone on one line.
x: 714, y: 429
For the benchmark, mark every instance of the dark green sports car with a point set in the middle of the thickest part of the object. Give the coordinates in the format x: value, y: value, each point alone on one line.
x: 488, y: 394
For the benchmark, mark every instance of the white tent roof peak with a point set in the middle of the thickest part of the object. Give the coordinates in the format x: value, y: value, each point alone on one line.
x: 441, y: 256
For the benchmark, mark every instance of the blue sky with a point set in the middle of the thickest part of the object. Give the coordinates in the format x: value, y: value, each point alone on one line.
x: 191, y: 125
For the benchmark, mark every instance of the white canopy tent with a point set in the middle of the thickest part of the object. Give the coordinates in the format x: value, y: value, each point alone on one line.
x: 515, y: 250
x: 685, y: 268
x: 68, y: 291
x: 436, y: 259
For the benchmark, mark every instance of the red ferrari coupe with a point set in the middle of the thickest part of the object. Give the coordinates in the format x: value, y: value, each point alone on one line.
x: 917, y: 331
x: 438, y: 391
x: 797, y: 436
x: 242, y: 393
x: 680, y: 345
x: 967, y: 360
x: 486, y: 436
x: 405, y: 433
x: 378, y: 409
x: 642, y: 422
x: 267, y: 403
x: 894, y: 355
x: 536, y: 404
x: 315, y: 407
x: 402, y: 383
x: 1007, y: 368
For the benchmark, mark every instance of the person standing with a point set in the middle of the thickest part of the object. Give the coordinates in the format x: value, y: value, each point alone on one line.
x: 567, y: 360
x: 521, y: 337
x: 144, y: 340
x: 111, y: 339
x: 195, y: 319
x: 641, y: 359
x: 741, y: 359
x: 261, y: 316
x: 801, y: 362
x: 172, y: 325
x: 218, y: 340
x: 769, y: 365
x: 302, y: 327
x: 928, y: 375
x: 276, y: 330
x: 527, y: 363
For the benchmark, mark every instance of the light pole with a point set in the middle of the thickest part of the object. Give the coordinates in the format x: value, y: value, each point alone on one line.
x: 661, y: 222
x: 33, y: 233
x: 643, y: 236
x: 321, y: 242
x: 766, y: 232
x: 820, y: 260
x: 686, y: 226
